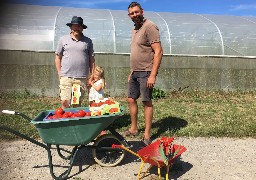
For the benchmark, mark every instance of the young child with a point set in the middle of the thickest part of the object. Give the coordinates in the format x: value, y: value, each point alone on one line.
x: 97, y: 84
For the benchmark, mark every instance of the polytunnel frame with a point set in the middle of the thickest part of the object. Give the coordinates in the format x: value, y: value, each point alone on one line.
x: 113, y: 23
x: 114, y: 35
x: 55, y: 21
x: 223, y: 47
x: 170, y: 40
x: 222, y: 43
x: 168, y: 31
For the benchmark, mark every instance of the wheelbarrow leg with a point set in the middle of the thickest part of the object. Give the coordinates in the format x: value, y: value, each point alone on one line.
x: 66, y: 173
x: 167, y: 172
x: 61, y: 155
x: 141, y: 166
x: 144, y: 173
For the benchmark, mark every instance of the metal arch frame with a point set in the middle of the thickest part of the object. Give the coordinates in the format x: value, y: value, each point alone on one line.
x: 222, y: 43
x: 114, y: 35
x: 168, y: 30
x: 224, y: 47
x: 55, y: 20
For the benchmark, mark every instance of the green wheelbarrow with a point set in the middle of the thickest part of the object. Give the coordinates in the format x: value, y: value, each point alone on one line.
x: 82, y: 132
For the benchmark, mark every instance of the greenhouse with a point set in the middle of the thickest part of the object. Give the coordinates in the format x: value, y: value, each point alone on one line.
x: 201, y: 51
x: 38, y: 28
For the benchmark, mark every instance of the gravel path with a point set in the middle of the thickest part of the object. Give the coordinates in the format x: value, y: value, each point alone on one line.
x: 205, y: 158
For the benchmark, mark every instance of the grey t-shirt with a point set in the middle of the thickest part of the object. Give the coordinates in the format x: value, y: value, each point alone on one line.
x: 75, y: 56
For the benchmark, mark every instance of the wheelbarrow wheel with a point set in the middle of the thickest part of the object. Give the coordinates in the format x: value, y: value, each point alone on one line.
x: 107, y: 157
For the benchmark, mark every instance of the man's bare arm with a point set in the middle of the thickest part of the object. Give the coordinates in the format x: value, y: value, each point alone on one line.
x: 158, y: 53
x: 58, y: 63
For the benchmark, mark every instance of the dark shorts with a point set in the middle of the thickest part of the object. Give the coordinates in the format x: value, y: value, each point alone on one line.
x: 137, y: 86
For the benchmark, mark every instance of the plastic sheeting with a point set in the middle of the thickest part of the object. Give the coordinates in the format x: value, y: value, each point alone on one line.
x: 38, y: 28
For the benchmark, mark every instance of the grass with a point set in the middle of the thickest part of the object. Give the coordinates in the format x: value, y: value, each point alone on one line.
x: 207, y: 114
x: 187, y: 114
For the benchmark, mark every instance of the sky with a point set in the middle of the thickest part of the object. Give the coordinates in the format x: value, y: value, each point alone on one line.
x: 216, y: 7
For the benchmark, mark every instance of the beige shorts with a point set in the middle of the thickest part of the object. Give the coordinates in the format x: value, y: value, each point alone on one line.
x: 66, y: 84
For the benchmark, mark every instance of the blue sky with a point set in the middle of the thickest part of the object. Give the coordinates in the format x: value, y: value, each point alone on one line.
x: 221, y: 7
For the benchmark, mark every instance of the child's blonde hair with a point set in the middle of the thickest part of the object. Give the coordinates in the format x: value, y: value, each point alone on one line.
x: 100, y: 70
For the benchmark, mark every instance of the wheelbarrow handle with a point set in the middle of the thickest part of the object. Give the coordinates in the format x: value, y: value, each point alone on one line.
x: 127, y: 149
x: 8, y: 112
x: 16, y: 113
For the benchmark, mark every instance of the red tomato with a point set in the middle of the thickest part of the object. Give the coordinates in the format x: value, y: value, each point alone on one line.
x: 93, y: 104
x: 88, y: 113
x: 100, y: 103
x: 59, y: 115
x: 65, y: 115
x: 107, y: 101
x: 54, y: 116
x: 112, y: 110
x: 81, y: 112
x: 74, y: 116
x: 70, y: 113
x: 59, y: 111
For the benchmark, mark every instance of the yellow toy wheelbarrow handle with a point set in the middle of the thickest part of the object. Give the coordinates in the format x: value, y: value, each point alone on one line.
x: 142, y: 161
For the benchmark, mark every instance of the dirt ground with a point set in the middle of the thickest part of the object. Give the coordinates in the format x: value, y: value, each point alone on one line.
x: 205, y: 158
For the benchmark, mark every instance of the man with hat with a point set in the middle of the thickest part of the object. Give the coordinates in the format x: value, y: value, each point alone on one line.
x: 74, y: 61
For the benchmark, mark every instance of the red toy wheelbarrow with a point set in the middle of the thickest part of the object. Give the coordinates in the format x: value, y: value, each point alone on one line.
x: 161, y: 153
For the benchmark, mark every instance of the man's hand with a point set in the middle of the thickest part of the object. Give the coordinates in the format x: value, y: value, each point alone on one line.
x: 151, y: 81
x: 129, y: 76
x: 58, y: 64
x: 89, y: 83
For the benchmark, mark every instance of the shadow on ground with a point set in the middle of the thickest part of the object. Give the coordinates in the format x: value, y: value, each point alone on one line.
x: 166, y: 125
x: 84, y: 160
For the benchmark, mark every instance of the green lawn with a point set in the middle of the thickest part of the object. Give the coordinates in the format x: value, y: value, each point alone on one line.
x: 190, y: 114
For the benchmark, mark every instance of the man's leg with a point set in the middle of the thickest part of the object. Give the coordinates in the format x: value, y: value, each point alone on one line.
x: 146, y: 96
x: 148, y: 115
x: 133, y: 107
x: 133, y: 94
x: 65, y: 91
x: 65, y: 104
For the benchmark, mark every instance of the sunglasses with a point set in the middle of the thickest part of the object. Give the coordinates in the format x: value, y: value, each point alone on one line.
x: 134, y: 12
